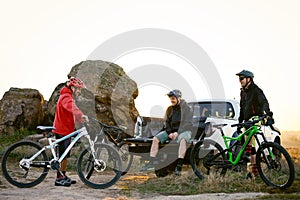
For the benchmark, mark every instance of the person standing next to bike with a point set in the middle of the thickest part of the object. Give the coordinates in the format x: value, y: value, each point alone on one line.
x: 253, y: 102
x: 178, y: 126
x: 66, y: 115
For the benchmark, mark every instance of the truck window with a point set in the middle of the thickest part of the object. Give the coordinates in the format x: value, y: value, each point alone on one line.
x: 212, y: 109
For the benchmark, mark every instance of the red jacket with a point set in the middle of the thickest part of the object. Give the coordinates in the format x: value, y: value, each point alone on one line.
x: 67, y: 113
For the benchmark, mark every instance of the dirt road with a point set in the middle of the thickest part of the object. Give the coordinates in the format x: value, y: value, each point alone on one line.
x: 47, y: 190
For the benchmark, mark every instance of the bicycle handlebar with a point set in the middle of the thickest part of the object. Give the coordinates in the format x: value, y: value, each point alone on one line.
x: 251, y: 123
x: 105, y: 125
x: 219, y: 125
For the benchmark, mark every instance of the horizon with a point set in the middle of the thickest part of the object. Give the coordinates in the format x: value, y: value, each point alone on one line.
x: 284, y: 131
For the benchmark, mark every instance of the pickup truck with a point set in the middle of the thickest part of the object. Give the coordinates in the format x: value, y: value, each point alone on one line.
x: 220, y: 111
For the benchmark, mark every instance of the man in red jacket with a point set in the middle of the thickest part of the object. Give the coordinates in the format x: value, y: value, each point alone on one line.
x: 66, y: 115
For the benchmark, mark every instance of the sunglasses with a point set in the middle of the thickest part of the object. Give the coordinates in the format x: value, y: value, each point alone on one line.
x: 241, y: 78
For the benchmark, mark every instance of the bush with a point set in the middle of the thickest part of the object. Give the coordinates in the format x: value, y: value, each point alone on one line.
x: 7, y: 140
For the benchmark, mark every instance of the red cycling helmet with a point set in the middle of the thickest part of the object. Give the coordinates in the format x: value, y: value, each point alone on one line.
x: 76, y: 82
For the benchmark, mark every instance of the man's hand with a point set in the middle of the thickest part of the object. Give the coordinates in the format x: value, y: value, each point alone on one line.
x: 239, y: 130
x: 270, y: 119
x: 270, y: 114
x: 173, y: 136
x: 85, y: 118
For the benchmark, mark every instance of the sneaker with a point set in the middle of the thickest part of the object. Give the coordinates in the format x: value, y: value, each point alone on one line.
x: 177, y: 171
x: 147, y: 167
x: 246, y: 158
x: 62, y: 182
x: 252, y: 176
x: 249, y: 176
x: 236, y: 169
x: 70, y: 180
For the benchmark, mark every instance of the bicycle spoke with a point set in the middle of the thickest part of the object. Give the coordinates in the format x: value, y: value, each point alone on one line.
x: 206, y: 158
x: 277, y: 170
x: 19, y: 174
x: 102, y: 172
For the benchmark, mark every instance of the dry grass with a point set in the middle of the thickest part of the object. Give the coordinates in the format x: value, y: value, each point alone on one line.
x: 189, y: 184
x: 295, y: 154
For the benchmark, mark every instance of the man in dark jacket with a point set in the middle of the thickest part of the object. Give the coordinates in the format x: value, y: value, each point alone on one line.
x: 253, y: 102
x: 178, y: 126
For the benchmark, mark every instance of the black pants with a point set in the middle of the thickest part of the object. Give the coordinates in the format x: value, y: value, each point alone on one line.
x: 63, y: 145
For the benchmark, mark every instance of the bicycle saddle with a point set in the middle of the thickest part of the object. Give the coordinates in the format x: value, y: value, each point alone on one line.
x: 46, y: 128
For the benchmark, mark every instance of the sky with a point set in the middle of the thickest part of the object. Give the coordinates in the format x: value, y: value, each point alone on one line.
x: 42, y: 40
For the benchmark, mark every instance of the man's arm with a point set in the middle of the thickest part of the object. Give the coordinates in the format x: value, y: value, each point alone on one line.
x: 262, y: 100
x: 241, y: 117
x: 168, y: 128
x: 70, y: 106
x: 187, y: 117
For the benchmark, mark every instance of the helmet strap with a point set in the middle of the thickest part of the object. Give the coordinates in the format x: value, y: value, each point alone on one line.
x: 178, y: 100
x: 248, y: 82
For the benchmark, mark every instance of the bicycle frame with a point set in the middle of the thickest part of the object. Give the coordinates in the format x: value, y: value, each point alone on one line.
x: 104, y: 137
x: 54, y: 142
x: 252, y: 131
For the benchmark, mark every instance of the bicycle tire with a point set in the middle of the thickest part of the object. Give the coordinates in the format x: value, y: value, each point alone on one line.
x: 18, y: 176
x: 104, y: 175
x: 281, y: 173
x: 201, y: 155
x: 126, y: 157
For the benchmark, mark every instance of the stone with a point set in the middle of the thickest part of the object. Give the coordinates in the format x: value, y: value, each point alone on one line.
x: 109, y: 95
x: 20, y: 109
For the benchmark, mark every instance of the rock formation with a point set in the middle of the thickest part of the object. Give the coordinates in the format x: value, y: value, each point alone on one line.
x: 113, y: 92
x: 20, y: 108
x: 109, y: 97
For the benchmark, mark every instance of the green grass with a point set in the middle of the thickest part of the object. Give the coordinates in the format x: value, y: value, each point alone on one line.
x: 7, y: 140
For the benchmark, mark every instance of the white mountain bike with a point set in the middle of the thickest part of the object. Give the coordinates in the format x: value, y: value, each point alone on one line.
x: 26, y: 163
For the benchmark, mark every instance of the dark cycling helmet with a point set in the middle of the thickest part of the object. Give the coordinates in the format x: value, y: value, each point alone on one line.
x: 76, y: 82
x: 175, y: 93
x: 246, y: 74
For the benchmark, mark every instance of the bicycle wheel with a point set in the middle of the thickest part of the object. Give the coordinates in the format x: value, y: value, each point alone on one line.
x: 278, y: 171
x: 104, y: 174
x: 19, y: 173
x: 126, y: 158
x: 204, y: 158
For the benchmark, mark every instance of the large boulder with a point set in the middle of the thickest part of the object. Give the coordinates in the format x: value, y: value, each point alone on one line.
x: 109, y: 95
x: 20, y: 108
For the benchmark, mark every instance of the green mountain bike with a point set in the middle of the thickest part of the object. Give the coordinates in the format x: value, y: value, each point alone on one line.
x: 274, y: 163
